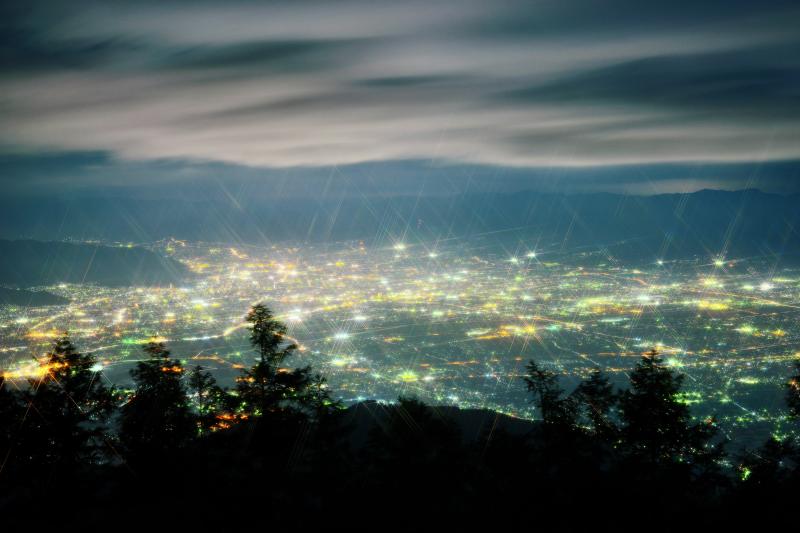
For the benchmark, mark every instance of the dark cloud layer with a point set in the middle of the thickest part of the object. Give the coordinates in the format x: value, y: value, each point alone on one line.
x: 714, y: 83
x: 506, y: 84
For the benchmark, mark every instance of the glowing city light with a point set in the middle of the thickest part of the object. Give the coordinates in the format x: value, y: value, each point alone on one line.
x: 376, y: 327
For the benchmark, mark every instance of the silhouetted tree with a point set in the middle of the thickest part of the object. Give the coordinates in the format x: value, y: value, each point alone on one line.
x: 657, y: 429
x: 68, y: 407
x: 793, y: 392
x: 596, y: 398
x: 556, y: 409
x: 328, y: 450
x: 210, y: 398
x: 11, y: 415
x: 266, y: 388
x: 157, y: 418
x: 267, y: 334
x: 650, y: 454
x: 769, y: 466
x: 315, y: 399
x: 563, y: 456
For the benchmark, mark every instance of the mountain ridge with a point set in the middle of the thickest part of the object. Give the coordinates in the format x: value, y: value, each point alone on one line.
x: 707, y: 223
x: 31, y: 263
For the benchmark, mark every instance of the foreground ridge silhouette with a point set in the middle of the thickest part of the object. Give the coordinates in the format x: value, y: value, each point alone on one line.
x: 278, y: 452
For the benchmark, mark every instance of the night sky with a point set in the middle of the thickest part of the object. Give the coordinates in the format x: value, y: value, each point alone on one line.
x: 401, y: 97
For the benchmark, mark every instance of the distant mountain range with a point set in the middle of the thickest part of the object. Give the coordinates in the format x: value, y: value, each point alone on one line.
x: 706, y: 223
x: 28, y: 263
x: 26, y: 298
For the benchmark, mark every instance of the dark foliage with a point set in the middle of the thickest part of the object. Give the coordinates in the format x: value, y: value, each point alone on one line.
x: 156, y: 421
x: 598, y: 402
x: 210, y: 399
x: 658, y: 435
x: 278, y: 453
x: 793, y: 392
x: 65, y: 412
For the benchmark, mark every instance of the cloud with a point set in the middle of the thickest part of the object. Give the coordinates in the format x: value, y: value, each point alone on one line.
x: 509, y: 83
x: 729, y: 82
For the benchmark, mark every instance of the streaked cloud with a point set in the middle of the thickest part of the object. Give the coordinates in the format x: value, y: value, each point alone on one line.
x: 303, y: 83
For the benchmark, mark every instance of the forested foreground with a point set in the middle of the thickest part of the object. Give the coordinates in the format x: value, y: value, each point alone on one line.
x: 277, y: 452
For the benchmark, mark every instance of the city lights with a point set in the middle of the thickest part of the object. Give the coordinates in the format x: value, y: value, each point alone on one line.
x: 377, y: 324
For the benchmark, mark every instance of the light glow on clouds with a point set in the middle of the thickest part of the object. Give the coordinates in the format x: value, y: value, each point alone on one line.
x: 513, y: 83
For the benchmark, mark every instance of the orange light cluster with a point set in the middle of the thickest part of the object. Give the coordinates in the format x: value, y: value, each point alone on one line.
x: 49, y: 334
x: 38, y: 370
x: 226, y: 420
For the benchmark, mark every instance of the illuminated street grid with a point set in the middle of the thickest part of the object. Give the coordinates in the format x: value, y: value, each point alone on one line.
x: 450, y: 324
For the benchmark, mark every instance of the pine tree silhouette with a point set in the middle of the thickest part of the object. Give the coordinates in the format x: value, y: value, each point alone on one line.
x: 11, y: 416
x: 657, y: 429
x: 157, y: 418
x: 556, y: 410
x: 267, y: 388
x: 597, y: 400
x: 68, y: 407
x: 210, y: 399
x: 793, y: 392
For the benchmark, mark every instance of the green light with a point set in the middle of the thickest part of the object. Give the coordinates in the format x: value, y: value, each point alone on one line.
x: 674, y: 363
x: 408, y: 376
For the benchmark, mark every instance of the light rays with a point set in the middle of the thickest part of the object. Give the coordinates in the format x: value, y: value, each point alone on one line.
x: 393, y: 320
